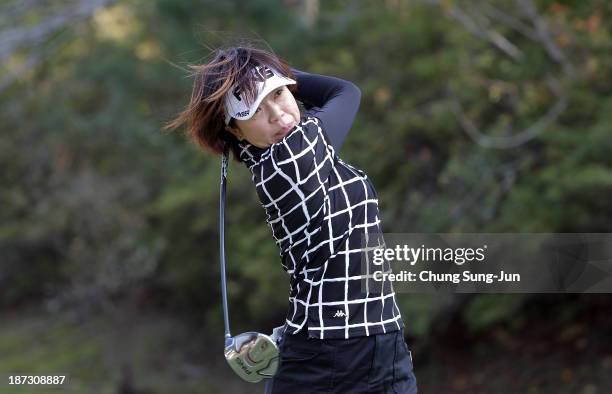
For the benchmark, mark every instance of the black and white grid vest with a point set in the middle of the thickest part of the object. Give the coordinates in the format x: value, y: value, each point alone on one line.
x: 319, y: 208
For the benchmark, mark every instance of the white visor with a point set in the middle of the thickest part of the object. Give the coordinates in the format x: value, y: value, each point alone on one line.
x: 235, y: 102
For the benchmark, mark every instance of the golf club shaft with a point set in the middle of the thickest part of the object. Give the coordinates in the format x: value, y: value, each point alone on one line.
x: 224, y: 164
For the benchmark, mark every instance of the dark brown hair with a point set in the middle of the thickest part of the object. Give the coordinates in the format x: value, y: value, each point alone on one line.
x: 205, y: 113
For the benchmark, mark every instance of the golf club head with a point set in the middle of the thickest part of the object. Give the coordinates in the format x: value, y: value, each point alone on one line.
x: 252, y: 355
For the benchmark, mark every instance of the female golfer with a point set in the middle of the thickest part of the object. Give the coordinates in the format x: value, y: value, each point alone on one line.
x: 338, y: 337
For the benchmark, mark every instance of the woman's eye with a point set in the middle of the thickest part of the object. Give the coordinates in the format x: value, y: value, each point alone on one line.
x: 256, y: 112
x: 279, y: 92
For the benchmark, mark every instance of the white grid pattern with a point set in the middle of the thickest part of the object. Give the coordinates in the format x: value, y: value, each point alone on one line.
x: 319, y: 208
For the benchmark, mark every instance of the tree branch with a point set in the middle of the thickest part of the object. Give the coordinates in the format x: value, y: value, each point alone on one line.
x: 498, y: 40
x: 543, y: 34
x: 33, y: 60
x: 13, y: 39
x: 521, y: 137
x: 509, y: 21
x: 13, y: 11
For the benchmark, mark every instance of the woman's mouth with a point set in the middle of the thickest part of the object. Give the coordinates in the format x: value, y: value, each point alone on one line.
x: 284, y: 131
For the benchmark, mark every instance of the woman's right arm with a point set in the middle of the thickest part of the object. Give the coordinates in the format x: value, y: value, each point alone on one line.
x: 333, y: 100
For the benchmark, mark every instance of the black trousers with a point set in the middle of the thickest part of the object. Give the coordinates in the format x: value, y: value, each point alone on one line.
x: 374, y: 364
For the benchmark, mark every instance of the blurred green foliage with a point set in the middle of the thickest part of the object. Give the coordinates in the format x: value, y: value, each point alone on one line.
x: 98, y: 203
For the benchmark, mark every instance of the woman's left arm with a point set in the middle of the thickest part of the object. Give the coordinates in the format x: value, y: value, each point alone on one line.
x: 333, y: 100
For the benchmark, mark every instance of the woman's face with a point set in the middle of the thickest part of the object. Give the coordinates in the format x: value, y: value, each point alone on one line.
x: 276, y: 115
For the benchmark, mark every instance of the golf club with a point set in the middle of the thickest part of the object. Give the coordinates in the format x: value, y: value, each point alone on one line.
x: 252, y: 355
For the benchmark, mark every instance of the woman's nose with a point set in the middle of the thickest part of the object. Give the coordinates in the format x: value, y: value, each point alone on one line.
x: 276, y: 112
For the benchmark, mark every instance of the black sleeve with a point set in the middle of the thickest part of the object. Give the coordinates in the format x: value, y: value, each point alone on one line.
x: 334, y: 101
